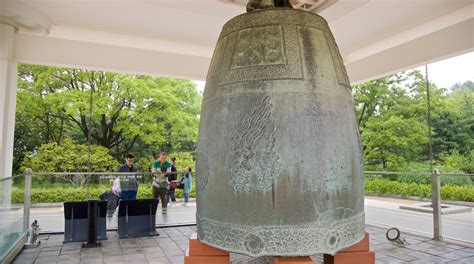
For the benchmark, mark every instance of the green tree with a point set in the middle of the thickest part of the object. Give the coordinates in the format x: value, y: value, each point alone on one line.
x: 392, y: 120
x: 70, y: 157
x: 393, y: 141
x: 130, y: 112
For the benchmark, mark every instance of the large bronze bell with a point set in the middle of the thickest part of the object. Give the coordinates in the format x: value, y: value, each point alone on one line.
x: 279, y: 164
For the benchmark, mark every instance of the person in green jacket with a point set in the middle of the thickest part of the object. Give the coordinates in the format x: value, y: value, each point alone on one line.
x: 160, y: 169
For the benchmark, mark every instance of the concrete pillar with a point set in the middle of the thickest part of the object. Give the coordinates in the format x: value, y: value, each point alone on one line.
x: 8, y: 86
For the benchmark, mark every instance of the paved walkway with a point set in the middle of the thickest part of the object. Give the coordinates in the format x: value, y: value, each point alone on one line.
x: 379, y: 212
x: 170, y: 246
x: 386, y: 212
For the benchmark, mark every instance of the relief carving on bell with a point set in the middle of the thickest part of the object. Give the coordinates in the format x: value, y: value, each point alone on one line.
x: 279, y: 163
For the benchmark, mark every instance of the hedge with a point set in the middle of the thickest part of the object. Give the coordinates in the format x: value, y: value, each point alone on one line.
x: 59, y: 195
x: 372, y: 186
x: 388, y: 187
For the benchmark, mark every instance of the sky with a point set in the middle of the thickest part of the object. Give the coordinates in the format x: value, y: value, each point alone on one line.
x: 454, y: 70
x: 443, y: 73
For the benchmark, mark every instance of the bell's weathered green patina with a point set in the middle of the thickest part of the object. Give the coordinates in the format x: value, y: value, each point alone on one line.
x: 279, y: 164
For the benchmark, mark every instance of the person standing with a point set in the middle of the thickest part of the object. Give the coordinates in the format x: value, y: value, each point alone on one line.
x: 129, y: 185
x: 160, y: 169
x: 112, y: 197
x: 173, y: 176
x: 187, y: 181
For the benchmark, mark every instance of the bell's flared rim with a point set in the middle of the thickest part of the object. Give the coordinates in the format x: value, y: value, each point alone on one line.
x: 264, y: 241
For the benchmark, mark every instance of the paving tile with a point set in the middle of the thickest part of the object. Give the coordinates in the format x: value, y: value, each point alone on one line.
x: 467, y: 252
x: 379, y: 255
x: 49, y: 253
x: 70, y: 250
x: 390, y: 260
x: 172, y: 253
x: 70, y: 256
x: 113, y: 258
x: 110, y: 244
x: 435, y: 242
x: 378, y: 241
x: 154, y: 255
x: 69, y: 261
x: 23, y: 261
x: 169, y: 247
x: 111, y: 249
x: 112, y: 253
x: 145, y: 244
x: 91, y: 261
x: 163, y: 240
x: 176, y: 260
x: 404, y: 257
x: 43, y: 237
x: 413, y: 241
x: 422, y: 261
x: 72, y: 246
x: 452, y: 256
x: 152, y: 250
x: 464, y: 261
x: 421, y: 246
x: 26, y: 256
x: 432, y: 251
x: 454, y: 246
x: 31, y: 250
x: 91, y: 255
x: 48, y: 259
x: 133, y: 257
x: 90, y: 250
x: 159, y: 261
x: 183, y: 247
x: 439, y: 260
x: 419, y: 255
x: 130, y: 244
x: 176, y: 238
x: 52, y: 244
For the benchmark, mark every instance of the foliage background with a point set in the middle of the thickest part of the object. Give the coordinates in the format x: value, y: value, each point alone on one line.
x: 130, y: 114
x: 144, y: 115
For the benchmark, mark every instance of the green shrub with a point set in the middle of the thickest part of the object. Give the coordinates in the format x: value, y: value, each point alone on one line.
x: 448, y: 192
x: 445, y: 180
x: 59, y: 195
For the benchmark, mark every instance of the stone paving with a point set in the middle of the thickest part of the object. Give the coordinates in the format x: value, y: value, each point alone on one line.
x: 170, y: 246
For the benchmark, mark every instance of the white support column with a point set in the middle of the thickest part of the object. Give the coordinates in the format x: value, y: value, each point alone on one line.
x: 8, y: 86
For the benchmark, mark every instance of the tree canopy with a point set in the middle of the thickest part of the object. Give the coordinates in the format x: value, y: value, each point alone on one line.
x: 129, y: 112
x: 392, y: 114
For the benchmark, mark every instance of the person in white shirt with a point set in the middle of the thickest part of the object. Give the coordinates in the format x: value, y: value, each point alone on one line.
x: 116, y: 186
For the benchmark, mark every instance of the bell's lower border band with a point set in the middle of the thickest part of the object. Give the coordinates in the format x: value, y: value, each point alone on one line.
x: 282, y: 240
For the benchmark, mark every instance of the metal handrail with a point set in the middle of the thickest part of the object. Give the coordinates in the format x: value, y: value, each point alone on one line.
x: 104, y: 173
x: 12, y: 177
x: 417, y: 173
x: 6, y: 178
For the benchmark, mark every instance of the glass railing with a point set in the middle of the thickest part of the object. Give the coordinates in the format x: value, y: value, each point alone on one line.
x: 50, y: 190
x: 437, y: 204
x: 46, y: 193
x: 12, y: 216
